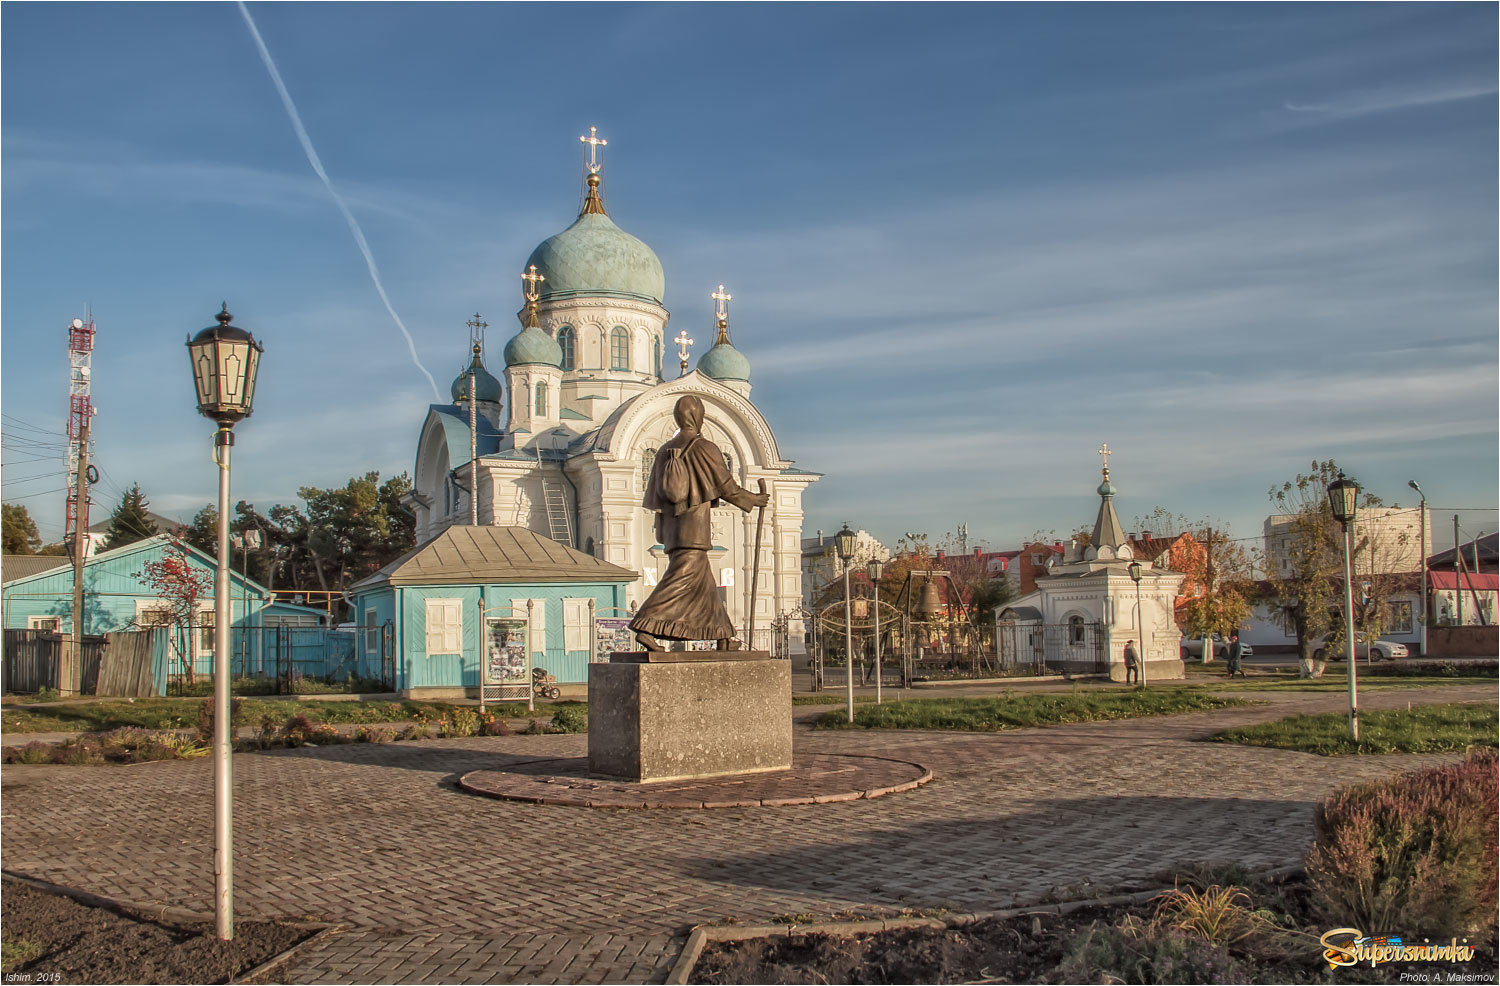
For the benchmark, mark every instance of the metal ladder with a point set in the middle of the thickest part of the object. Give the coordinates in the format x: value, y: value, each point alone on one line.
x: 559, y: 524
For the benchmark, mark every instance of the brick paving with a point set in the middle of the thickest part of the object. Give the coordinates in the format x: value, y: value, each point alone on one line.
x: 438, y: 885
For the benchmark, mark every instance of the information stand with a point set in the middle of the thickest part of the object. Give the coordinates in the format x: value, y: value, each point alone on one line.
x: 505, y: 672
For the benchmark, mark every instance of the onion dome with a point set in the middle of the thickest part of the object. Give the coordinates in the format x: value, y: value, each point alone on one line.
x: 531, y: 344
x: 595, y: 258
x: 723, y: 361
x: 486, y: 386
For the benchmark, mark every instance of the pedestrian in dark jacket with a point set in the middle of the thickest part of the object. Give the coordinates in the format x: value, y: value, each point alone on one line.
x: 1236, y: 654
x: 1132, y: 663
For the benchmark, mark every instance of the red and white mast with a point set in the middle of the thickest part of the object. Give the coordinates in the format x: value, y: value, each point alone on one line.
x: 80, y: 411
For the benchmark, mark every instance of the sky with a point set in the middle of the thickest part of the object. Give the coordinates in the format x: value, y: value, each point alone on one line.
x: 967, y: 243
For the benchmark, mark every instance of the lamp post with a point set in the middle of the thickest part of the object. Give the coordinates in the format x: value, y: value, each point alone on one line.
x: 224, y: 361
x: 1135, y: 576
x: 1342, y: 496
x: 1422, y: 627
x: 875, y: 570
x: 843, y: 543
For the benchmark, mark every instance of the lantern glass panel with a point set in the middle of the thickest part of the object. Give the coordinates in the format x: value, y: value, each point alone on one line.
x: 252, y: 367
x: 844, y: 544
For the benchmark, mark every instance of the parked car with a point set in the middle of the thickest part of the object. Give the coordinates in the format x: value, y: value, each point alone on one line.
x: 1377, y: 650
x: 1193, y: 647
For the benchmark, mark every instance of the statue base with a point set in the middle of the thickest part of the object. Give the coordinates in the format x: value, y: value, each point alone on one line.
x: 673, y: 715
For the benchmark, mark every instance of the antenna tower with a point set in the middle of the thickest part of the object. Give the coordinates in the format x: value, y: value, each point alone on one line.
x: 80, y: 411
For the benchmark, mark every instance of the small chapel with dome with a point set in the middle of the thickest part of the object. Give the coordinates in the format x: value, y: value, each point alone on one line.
x: 563, y: 443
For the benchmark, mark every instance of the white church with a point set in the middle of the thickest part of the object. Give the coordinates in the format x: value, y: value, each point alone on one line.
x: 564, y: 444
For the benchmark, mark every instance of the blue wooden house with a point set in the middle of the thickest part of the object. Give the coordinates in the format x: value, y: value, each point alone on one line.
x: 437, y: 597
x: 116, y: 596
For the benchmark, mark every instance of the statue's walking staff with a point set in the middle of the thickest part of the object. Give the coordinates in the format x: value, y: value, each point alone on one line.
x: 760, y: 519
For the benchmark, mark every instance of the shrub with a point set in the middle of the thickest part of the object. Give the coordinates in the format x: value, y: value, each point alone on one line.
x: 534, y: 728
x: 374, y: 734
x: 48, y: 694
x: 491, y: 725
x: 465, y: 722
x: 570, y: 719
x: 1415, y: 853
x: 417, y: 731
x: 205, y: 724
x: 296, y: 730
x: 34, y: 752
x: 1133, y: 952
x: 1215, y: 914
x: 81, y: 752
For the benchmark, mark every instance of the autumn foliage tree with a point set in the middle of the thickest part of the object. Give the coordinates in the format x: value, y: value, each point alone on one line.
x: 179, y: 585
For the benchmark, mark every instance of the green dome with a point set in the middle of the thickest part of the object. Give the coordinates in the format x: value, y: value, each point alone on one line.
x: 724, y: 362
x: 594, y: 257
x: 532, y: 345
x: 485, y: 384
x: 1106, y: 488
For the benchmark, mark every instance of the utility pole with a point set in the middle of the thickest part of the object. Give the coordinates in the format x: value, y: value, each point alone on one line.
x: 1458, y: 566
x: 70, y: 663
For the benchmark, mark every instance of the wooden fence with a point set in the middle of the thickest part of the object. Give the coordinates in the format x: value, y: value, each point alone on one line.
x: 122, y: 664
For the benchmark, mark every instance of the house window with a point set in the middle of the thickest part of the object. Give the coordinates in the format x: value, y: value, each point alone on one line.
x: 565, y: 343
x: 205, y: 630
x: 541, y: 399
x: 1398, y: 616
x: 648, y: 459
x: 1075, y: 629
x: 46, y: 624
x: 372, y: 632
x: 619, y: 348
x: 445, y: 626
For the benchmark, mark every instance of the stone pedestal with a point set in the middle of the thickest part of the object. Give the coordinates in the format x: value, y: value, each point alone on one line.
x: 657, y: 716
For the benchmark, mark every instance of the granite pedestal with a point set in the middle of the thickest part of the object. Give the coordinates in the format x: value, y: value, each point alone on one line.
x: 661, y: 716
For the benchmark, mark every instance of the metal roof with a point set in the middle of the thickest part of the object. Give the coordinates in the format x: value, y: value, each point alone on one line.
x: 463, y: 554
x: 14, y: 567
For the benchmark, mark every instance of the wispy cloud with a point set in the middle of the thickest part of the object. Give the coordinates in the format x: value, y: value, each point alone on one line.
x: 1366, y: 102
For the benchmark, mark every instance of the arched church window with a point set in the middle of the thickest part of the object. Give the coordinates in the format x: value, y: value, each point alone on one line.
x: 1075, y: 629
x: 619, y: 348
x: 541, y: 399
x: 588, y: 546
x: 656, y: 355
x: 565, y: 343
x: 648, y: 459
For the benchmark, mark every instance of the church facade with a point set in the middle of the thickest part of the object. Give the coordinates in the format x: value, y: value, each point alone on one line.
x: 564, y: 444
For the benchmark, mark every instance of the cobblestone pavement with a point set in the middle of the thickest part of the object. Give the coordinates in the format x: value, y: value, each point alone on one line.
x: 437, y: 885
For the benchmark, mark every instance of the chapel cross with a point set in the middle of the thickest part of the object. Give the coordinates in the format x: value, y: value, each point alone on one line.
x: 1105, y: 453
x: 721, y: 304
x: 683, y: 342
x: 595, y: 142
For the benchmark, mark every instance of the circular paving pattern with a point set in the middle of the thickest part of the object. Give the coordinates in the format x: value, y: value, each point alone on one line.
x: 814, y: 778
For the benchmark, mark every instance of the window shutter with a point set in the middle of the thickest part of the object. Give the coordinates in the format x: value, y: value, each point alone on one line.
x: 575, y: 625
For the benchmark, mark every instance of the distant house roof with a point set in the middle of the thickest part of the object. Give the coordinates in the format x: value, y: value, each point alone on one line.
x: 1486, y: 547
x: 14, y: 567
x: 238, y: 583
x: 462, y: 555
x: 1480, y: 581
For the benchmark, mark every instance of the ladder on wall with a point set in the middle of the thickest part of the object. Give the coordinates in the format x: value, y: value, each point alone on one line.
x: 559, y: 524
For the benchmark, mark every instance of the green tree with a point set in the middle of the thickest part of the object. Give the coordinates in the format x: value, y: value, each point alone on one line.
x: 20, y: 534
x: 203, y: 531
x: 1219, y: 589
x: 130, y: 522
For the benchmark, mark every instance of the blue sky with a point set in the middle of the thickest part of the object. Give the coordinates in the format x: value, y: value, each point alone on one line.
x: 967, y: 244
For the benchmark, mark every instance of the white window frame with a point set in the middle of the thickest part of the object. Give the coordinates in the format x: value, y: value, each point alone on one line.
x: 444, y: 624
x: 372, y: 631
x: 203, y: 621
x: 575, y: 624
x: 145, y: 606
x: 46, y: 624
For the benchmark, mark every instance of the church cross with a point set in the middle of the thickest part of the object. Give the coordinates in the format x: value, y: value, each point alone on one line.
x: 683, y: 342
x: 533, y: 280
x: 721, y: 304
x: 595, y: 142
x: 477, y: 323
x: 1105, y: 453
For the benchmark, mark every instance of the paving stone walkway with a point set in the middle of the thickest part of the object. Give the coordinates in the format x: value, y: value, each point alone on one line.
x: 439, y: 885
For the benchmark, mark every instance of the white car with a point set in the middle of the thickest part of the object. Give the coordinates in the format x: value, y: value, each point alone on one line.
x: 1378, y: 650
x: 1193, y: 647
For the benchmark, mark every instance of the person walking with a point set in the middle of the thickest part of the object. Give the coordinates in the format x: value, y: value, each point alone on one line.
x: 1236, y: 655
x: 1132, y: 663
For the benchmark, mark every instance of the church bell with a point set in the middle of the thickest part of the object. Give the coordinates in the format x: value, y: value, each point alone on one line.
x: 929, y: 604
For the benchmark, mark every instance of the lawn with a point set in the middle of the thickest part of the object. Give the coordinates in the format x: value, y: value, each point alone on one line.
x: 1018, y: 711
x: 1424, y: 729
x: 167, y: 713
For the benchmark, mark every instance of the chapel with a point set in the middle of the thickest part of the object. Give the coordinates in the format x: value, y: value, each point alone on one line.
x: 563, y: 444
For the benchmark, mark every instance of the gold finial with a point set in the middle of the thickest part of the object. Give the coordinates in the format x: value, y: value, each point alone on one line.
x: 683, y: 342
x: 1105, y: 453
x: 721, y: 314
x: 595, y: 142
x: 530, y: 287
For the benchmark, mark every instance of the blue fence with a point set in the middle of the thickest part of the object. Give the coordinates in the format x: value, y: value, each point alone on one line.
x: 288, y: 653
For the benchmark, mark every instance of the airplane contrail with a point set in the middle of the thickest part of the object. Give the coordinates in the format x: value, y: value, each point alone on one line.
x: 317, y: 165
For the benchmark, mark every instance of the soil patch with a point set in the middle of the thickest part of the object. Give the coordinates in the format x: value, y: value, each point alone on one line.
x: 64, y: 940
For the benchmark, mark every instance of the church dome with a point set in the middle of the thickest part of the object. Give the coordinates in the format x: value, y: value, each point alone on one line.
x: 486, y: 387
x: 532, y: 345
x: 594, y: 257
x: 724, y: 362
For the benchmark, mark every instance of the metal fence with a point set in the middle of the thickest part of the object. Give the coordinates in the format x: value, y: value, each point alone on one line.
x: 286, y: 654
x: 1053, y: 648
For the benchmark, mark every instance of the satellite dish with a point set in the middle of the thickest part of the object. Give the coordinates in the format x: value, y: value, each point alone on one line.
x: 77, y: 323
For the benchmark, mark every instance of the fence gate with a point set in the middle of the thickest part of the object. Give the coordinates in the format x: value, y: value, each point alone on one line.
x: 1053, y: 648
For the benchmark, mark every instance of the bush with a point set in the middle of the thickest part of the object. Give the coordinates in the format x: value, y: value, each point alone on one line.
x: 465, y: 722
x: 1132, y: 952
x: 491, y: 725
x: 375, y: 734
x: 48, y: 694
x: 205, y: 723
x: 34, y: 752
x: 417, y: 731
x: 296, y: 730
x: 570, y: 719
x: 1414, y: 853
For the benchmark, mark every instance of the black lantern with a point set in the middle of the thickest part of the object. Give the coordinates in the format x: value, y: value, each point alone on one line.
x: 1135, y: 571
x: 1342, y: 494
x: 875, y: 569
x: 225, y: 359
x: 843, y: 543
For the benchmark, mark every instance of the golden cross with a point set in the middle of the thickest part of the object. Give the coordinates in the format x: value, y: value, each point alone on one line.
x: 721, y: 304
x: 477, y: 323
x: 532, y: 279
x: 595, y: 142
x: 1105, y: 453
x: 683, y: 342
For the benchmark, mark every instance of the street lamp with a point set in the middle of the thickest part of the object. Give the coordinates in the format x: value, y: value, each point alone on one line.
x: 875, y: 569
x: 224, y: 360
x: 1342, y: 496
x: 843, y: 543
x: 1422, y: 629
x: 1134, y: 569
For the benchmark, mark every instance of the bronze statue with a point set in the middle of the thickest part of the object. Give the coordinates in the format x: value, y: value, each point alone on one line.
x: 688, y: 479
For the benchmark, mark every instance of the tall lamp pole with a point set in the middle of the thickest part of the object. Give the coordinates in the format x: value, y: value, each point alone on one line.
x: 844, y: 544
x: 875, y: 570
x: 1342, y: 496
x: 1135, y: 576
x: 224, y: 360
x: 1422, y: 627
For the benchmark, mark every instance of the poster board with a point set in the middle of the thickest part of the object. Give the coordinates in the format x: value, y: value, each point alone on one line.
x: 506, y: 670
x: 612, y: 634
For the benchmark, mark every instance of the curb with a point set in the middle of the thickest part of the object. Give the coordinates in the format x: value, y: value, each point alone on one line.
x: 700, y: 936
